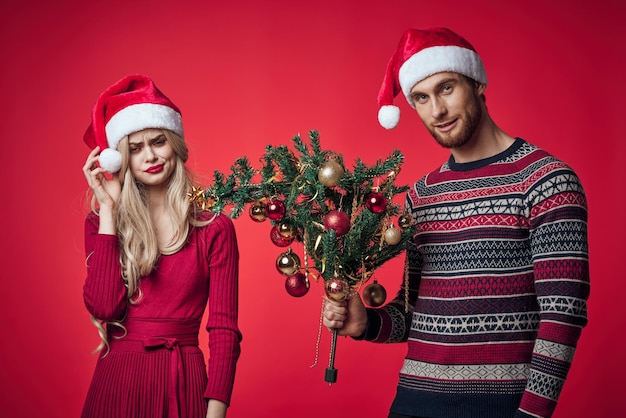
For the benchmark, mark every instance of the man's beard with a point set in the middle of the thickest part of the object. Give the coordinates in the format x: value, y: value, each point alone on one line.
x: 472, y: 118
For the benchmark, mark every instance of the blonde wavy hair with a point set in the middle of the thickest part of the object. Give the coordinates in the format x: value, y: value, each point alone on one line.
x: 139, y: 248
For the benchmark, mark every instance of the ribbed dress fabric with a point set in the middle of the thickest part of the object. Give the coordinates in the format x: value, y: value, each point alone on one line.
x: 156, y: 369
x: 498, y: 283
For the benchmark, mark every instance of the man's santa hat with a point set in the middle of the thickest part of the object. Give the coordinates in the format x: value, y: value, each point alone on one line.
x: 420, y: 54
x: 132, y: 104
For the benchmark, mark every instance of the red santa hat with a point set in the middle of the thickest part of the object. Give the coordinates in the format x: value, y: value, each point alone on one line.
x: 420, y: 54
x: 132, y: 104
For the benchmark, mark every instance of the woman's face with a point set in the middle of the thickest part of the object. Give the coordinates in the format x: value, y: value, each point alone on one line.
x: 151, y: 157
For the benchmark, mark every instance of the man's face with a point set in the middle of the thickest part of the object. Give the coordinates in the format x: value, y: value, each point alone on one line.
x: 450, y: 107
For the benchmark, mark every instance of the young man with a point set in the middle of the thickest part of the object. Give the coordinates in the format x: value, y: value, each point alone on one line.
x: 495, y: 298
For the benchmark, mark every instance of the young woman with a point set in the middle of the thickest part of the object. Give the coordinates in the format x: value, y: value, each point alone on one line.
x: 153, y: 262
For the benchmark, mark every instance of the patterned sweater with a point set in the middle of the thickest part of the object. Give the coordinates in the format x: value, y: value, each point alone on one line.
x: 498, y: 282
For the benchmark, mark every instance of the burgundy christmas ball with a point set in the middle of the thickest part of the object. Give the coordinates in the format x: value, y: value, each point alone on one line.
x: 297, y: 285
x: 278, y: 239
x: 374, y: 294
x: 275, y: 210
x: 376, y: 202
x: 337, y: 289
x: 338, y: 221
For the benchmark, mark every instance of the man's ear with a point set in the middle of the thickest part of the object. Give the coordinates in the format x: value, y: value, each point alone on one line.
x: 480, y: 90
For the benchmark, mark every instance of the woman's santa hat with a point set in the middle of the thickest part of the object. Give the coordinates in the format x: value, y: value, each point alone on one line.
x: 420, y: 54
x: 132, y: 104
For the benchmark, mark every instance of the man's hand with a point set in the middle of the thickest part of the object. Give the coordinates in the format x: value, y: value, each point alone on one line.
x: 348, y: 316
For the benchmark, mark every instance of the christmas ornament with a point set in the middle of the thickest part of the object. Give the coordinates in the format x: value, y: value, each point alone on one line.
x: 405, y: 221
x: 339, y: 215
x: 376, y: 202
x: 338, y: 221
x: 392, y: 235
x: 275, y: 210
x: 198, y: 197
x: 337, y: 289
x: 288, y: 263
x: 257, y: 212
x: 297, y: 285
x: 330, y: 173
x: 374, y: 294
x: 278, y: 239
x: 286, y: 230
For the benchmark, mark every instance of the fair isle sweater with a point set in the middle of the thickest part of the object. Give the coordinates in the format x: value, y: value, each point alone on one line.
x: 498, y: 283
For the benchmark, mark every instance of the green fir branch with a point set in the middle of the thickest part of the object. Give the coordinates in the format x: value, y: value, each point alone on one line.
x: 293, y: 178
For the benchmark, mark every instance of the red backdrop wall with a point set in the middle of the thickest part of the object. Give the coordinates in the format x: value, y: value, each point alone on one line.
x: 252, y: 73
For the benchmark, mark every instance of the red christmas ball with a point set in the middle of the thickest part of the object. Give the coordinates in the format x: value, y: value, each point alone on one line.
x: 338, y: 221
x: 278, y: 239
x: 376, y: 202
x: 275, y: 210
x: 297, y: 285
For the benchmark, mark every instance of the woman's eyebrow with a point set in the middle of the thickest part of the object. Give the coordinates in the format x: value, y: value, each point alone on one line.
x: 149, y: 139
x: 159, y: 136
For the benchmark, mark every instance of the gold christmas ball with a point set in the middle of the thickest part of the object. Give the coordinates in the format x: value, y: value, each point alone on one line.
x: 393, y: 235
x: 286, y: 230
x: 288, y: 263
x: 257, y: 212
x: 405, y: 221
x: 330, y: 173
x: 337, y: 289
x: 374, y: 294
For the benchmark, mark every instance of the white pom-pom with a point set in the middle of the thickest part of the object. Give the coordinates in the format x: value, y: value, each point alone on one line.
x: 389, y: 116
x: 110, y: 160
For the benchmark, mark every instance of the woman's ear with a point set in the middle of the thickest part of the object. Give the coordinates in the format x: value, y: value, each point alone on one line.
x: 480, y: 87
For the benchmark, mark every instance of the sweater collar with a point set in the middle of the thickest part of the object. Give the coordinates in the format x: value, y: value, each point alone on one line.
x: 473, y: 165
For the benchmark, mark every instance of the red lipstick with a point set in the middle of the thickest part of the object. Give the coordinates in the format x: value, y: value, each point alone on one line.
x: 155, y: 169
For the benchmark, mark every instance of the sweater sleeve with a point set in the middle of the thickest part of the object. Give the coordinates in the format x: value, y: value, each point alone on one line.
x: 222, y: 324
x: 104, y: 292
x: 558, y: 213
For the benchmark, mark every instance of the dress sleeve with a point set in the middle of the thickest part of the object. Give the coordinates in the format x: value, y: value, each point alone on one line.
x: 104, y: 292
x: 222, y: 324
x: 391, y: 323
x: 558, y: 213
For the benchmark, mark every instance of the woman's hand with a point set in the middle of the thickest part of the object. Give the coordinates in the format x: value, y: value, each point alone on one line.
x: 106, y: 191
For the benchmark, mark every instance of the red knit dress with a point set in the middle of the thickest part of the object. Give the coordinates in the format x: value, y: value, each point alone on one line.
x: 157, y: 369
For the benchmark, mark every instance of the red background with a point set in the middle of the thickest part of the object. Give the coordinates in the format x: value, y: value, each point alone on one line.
x: 252, y: 73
